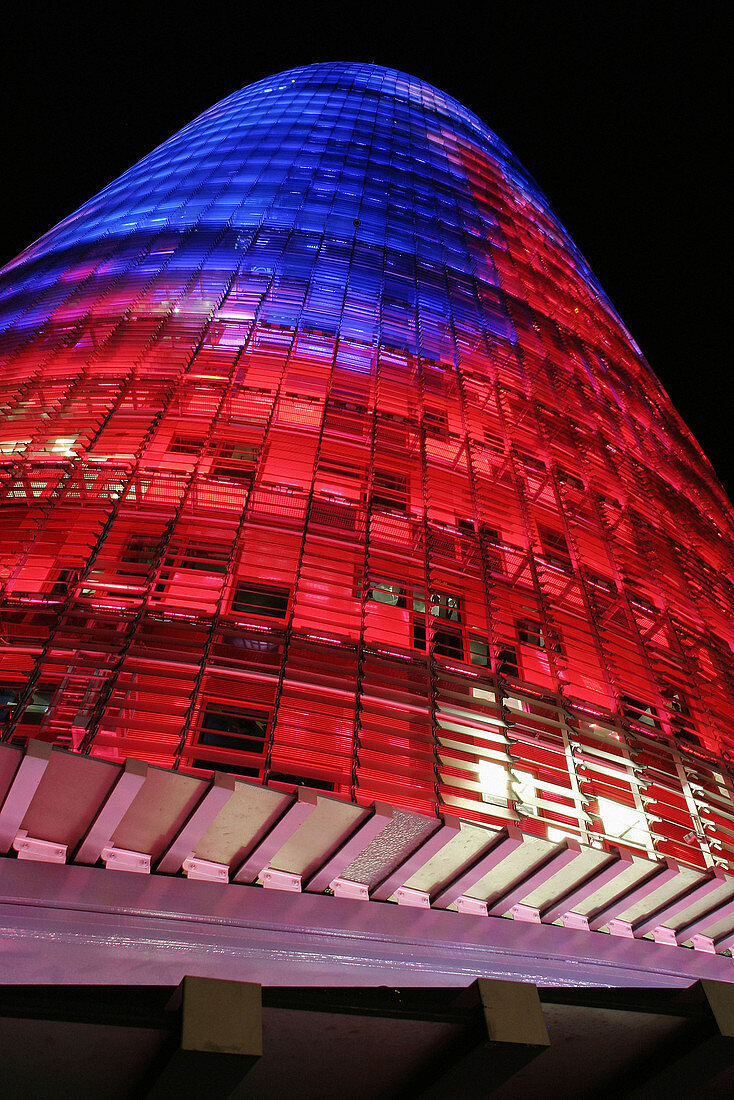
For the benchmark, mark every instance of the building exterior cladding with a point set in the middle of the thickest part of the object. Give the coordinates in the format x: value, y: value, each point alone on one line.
x: 327, y: 460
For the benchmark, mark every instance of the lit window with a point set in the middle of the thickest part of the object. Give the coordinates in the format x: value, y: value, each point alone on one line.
x: 255, y: 599
x: 525, y: 793
x: 637, y: 711
x: 624, y: 823
x: 677, y: 702
x: 235, y: 729
x: 64, y: 445
x: 530, y: 632
x: 387, y: 592
x: 494, y: 782
x: 482, y: 695
x: 226, y: 727
x: 555, y: 547
x: 524, y: 790
x: 478, y: 651
x: 390, y: 491
x: 443, y: 605
x: 35, y: 709
x: 12, y: 446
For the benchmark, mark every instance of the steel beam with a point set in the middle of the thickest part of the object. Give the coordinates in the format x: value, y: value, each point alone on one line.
x: 113, y: 810
x: 62, y: 923
x: 22, y: 789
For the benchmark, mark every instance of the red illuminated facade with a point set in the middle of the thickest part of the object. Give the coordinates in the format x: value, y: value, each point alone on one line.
x: 326, y: 461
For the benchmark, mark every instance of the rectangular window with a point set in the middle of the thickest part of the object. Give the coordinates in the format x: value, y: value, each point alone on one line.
x: 478, y: 651
x: 524, y: 790
x: 436, y: 423
x: 419, y: 634
x: 388, y: 592
x: 448, y: 636
x: 9, y: 695
x: 189, y: 554
x: 490, y: 540
x: 525, y: 795
x: 624, y: 823
x: 390, y: 491
x: 40, y: 702
x: 494, y: 781
x: 234, y: 729
x: 299, y: 781
x: 186, y: 444
x: 507, y: 660
x: 269, y: 601
x: 61, y: 579
x: 530, y: 632
x: 35, y: 709
x: 225, y: 727
x: 637, y: 711
x: 555, y: 547
x: 677, y: 702
x: 234, y: 461
x: 138, y: 550
x: 442, y: 605
x: 449, y: 643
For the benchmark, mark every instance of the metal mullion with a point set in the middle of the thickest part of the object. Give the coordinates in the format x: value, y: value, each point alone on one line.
x: 105, y: 695
x: 309, y: 504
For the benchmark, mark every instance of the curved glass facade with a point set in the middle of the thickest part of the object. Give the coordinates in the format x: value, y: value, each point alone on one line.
x: 325, y: 459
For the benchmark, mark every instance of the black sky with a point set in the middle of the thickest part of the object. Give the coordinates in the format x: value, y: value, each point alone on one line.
x: 617, y: 109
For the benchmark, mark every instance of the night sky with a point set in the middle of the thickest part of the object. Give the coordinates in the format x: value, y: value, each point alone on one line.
x: 617, y: 109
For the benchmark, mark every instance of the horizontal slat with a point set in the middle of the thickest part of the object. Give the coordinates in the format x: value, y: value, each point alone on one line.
x: 569, y: 850
x: 679, y: 904
x: 298, y: 811
x: 662, y: 873
x: 507, y: 841
x: 205, y: 813
x: 24, y: 786
x: 118, y: 802
x: 620, y: 862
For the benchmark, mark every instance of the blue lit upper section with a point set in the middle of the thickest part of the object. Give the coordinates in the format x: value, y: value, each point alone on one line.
x: 315, y: 150
x: 264, y: 156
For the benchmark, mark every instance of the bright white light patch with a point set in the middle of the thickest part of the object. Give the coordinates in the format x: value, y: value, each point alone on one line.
x: 524, y: 789
x: 493, y: 779
x: 64, y: 445
x: 624, y: 823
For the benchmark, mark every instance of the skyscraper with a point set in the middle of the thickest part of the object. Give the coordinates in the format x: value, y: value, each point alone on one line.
x: 328, y: 462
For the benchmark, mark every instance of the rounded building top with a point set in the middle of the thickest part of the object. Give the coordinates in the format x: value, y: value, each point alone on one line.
x: 423, y: 130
